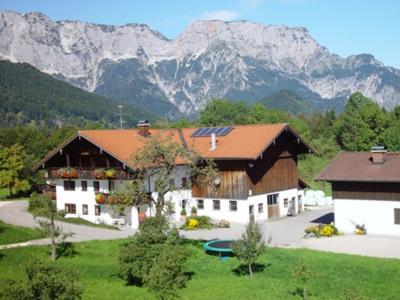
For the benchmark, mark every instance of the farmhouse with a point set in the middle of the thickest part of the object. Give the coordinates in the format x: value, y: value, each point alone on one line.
x: 257, y: 167
x: 366, y: 190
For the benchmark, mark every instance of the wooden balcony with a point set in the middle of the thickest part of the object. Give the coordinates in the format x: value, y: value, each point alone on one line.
x: 89, y: 173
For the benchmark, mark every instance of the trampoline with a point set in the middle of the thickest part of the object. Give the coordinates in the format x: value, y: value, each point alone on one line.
x: 222, y: 247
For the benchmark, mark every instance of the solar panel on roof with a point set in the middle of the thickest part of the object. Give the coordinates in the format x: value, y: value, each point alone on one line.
x: 207, y: 131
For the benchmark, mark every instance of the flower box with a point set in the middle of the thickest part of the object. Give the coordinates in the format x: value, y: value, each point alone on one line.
x: 111, y: 174
x: 100, y: 198
x: 69, y: 173
x: 99, y: 174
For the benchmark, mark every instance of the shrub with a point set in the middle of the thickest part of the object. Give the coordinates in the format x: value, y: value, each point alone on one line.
x: 167, y: 276
x: 137, y: 255
x: 44, y: 280
x: 203, y: 222
x: 223, y: 224
x: 327, y: 230
x: 192, y: 224
x: 183, y: 212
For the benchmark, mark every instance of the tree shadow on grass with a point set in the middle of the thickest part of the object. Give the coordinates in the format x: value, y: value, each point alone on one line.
x: 66, y: 249
x: 243, y: 270
x: 1, y: 255
x: 298, y: 292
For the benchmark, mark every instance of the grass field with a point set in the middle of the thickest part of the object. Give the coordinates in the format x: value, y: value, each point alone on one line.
x: 10, y: 234
x: 81, y: 221
x: 96, y: 261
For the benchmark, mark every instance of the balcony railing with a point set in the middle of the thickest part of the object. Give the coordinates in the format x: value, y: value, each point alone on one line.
x: 88, y: 173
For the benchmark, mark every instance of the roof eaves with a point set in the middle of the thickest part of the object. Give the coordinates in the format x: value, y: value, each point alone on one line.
x: 53, y: 152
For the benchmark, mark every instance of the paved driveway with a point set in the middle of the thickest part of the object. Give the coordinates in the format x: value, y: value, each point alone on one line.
x: 14, y: 212
x: 286, y: 231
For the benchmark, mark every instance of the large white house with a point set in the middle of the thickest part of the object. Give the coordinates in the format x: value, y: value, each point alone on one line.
x: 366, y: 191
x: 257, y: 167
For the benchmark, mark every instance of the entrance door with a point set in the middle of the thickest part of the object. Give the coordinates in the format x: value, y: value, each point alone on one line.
x: 251, y: 213
x: 273, y: 206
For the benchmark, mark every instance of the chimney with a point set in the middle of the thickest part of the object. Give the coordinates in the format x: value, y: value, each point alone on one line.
x: 143, y: 126
x: 378, y: 154
x: 213, y: 141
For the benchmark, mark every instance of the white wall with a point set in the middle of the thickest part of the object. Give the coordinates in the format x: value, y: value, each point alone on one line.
x: 378, y: 216
x: 79, y: 197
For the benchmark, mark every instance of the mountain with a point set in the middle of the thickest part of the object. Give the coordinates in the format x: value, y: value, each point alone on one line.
x: 29, y: 96
x: 238, y: 60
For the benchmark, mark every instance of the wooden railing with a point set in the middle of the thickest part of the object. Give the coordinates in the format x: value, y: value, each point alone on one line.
x: 88, y: 173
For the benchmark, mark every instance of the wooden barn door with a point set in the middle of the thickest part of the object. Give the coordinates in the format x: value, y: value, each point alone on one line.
x: 273, y: 206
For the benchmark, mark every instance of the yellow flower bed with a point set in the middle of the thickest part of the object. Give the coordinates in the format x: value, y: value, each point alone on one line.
x: 193, y: 224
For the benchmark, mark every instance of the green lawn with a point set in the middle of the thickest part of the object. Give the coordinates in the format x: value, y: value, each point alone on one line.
x: 81, y: 221
x: 11, y: 234
x: 212, y: 278
x: 5, y: 196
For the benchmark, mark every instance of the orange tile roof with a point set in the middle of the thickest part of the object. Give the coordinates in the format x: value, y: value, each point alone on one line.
x: 243, y: 142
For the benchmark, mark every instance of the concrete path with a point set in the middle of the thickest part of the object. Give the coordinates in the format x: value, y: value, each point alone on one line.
x: 282, y: 232
x: 15, y: 213
x: 366, y: 245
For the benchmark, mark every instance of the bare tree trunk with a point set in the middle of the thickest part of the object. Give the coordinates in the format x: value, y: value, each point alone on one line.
x: 250, y: 270
x: 305, y: 296
x: 53, y: 239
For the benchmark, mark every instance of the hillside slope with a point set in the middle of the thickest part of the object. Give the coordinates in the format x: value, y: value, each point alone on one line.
x: 28, y: 96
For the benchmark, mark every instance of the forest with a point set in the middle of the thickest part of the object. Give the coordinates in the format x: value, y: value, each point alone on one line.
x: 362, y: 125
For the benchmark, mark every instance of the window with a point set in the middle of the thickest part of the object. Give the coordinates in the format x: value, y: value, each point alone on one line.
x: 397, y: 216
x: 233, y: 205
x: 285, y: 202
x: 200, y: 204
x: 69, y: 185
x: 260, y: 208
x: 172, y: 182
x: 70, y: 208
x: 272, y: 199
x: 96, y: 186
x: 84, y: 186
x: 184, y: 182
x: 85, y: 209
x: 216, y: 204
x: 97, y: 210
x: 183, y: 203
x: 111, y: 185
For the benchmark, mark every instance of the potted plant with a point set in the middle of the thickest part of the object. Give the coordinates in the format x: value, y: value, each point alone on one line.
x: 183, y: 213
x: 193, y: 211
x: 360, y: 229
x: 99, y: 173
x: 111, y: 173
x: 100, y: 198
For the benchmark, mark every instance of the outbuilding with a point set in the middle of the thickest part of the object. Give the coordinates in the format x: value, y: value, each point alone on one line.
x: 366, y: 191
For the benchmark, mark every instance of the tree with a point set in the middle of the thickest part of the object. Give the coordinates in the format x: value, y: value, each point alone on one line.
x: 43, y: 280
x: 250, y: 246
x: 154, y: 257
x: 13, y: 170
x: 223, y: 112
x: 303, y: 273
x: 156, y: 162
x: 167, y: 276
x: 43, y: 206
x: 361, y: 125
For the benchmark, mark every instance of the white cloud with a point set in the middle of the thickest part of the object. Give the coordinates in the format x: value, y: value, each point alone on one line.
x: 224, y: 15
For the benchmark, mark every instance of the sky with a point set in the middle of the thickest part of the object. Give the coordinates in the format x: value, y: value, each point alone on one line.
x: 345, y: 27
